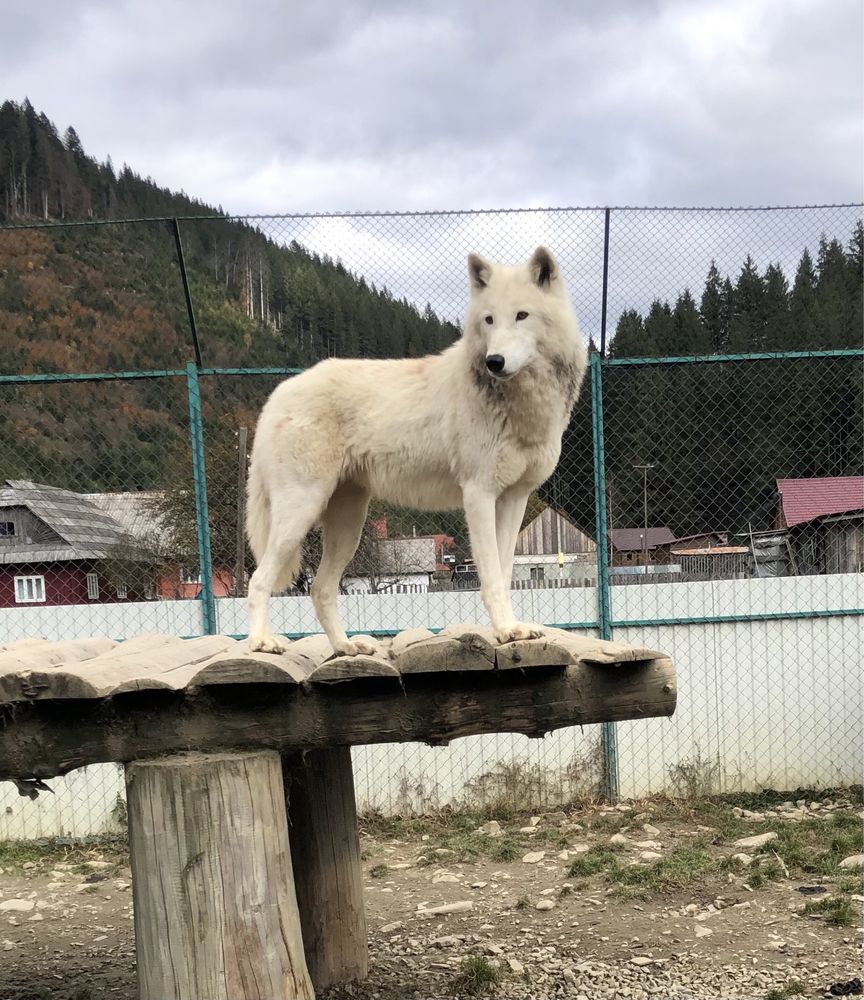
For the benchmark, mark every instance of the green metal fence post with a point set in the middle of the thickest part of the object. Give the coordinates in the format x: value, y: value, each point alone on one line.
x: 604, y: 602
x: 202, y: 518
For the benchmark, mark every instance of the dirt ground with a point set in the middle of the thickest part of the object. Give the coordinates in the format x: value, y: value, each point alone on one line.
x: 637, y: 901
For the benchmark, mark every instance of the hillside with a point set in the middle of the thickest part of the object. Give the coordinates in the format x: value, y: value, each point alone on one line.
x: 109, y: 298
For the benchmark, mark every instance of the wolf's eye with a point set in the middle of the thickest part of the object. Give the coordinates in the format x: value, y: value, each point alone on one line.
x: 489, y: 320
x: 521, y: 315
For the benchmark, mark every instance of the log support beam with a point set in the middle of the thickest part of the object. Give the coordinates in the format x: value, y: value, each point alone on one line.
x: 216, y: 914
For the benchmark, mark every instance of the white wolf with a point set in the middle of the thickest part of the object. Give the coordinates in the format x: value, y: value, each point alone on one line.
x: 478, y: 426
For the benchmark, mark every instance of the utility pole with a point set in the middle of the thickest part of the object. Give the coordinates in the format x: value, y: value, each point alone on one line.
x: 644, y: 466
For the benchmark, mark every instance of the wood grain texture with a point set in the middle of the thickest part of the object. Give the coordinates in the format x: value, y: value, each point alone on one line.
x: 325, y: 848
x: 215, y: 912
x: 100, y: 668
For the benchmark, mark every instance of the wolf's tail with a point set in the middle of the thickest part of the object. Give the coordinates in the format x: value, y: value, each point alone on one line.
x: 259, y: 522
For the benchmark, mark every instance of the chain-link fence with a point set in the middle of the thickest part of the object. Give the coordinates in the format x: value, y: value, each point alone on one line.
x: 708, y: 499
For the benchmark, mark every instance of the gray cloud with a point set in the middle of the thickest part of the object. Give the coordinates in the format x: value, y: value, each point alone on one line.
x: 267, y: 106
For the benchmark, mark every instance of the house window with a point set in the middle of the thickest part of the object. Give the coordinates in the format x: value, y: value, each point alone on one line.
x: 29, y: 589
x: 92, y: 587
x: 7, y: 529
x: 122, y: 591
x: 190, y: 576
x: 538, y: 574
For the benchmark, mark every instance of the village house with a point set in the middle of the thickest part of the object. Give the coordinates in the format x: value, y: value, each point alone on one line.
x: 551, y: 551
x: 823, y: 519
x: 59, y: 547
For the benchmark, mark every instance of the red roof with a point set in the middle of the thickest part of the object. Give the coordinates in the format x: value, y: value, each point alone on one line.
x: 804, y: 500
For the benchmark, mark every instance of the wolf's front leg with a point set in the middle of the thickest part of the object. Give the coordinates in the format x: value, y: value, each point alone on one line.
x: 479, y: 504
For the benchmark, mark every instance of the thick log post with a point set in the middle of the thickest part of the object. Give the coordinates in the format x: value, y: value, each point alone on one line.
x: 215, y: 912
x: 325, y: 847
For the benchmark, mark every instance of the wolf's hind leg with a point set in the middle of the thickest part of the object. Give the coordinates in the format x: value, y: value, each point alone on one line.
x: 342, y: 524
x: 294, y: 512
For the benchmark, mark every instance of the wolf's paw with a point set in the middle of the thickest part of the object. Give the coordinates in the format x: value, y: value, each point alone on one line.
x: 518, y: 630
x: 355, y: 647
x: 266, y: 644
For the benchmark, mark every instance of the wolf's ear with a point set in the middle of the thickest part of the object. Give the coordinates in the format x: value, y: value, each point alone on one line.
x: 543, y: 268
x: 479, y: 271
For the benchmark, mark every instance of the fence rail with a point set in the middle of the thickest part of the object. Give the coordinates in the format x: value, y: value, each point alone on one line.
x: 713, y: 462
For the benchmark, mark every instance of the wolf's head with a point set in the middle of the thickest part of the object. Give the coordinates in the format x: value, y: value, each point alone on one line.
x: 517, y: 314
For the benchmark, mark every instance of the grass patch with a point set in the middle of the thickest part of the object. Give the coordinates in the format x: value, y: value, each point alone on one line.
x: 682, y: 867
x: 550, y: 838
x: 368, y: 851
x: 794, y: 988
x: 438, y: 824
x: 817, y: 846
x: 716, y: 810
x: 610, y: 822
x: 378, y: 871
x: 522, y: 903
x: 851, y: 884
x: 599, y: 859
x: 14, y: 854
x: 460, y: 845
x: 837, y: 910
x: 764, y: 870
x: 505, y: 848
x: 476, y: 975
x: 468, y: 846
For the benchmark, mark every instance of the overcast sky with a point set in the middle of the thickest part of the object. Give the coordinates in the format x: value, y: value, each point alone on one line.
x: 265, y: 106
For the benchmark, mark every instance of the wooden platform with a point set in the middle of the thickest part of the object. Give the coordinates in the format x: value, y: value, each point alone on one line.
x: 67, y: 704
x: 243, y: 837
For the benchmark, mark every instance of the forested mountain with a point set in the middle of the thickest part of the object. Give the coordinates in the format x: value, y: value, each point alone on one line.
x: 108, y: 298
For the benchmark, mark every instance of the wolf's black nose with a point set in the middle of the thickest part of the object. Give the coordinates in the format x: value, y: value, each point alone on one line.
x: 495, y: 363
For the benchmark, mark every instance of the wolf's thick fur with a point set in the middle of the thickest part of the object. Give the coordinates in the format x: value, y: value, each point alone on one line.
x: 478, y: 426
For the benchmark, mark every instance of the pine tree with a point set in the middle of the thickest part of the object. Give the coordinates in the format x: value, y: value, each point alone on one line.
x: 660, y: 330
x: 855, y: 284
x: 776, y: 309
x: 629, y: 340
x: 747, y: 325
x: 689, y: 333
x: 714, y: 319
x: 802, y: 307
x: 832, y: 303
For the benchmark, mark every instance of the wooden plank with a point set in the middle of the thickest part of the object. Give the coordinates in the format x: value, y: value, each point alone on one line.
x: 589, y: 649
x: 524, y: 653
x: 406, y: 638
x: 215, y: 910
x: 147, y: 640
x: 455, y: 648
x: 51, y: 654
x: 168, y: 665
x: 316, y: 649
x: 171, y: 666
x: 325, y: 849
x: 21, y: 643
x: 351, y: 668
x: 34, y: 670
x: 45, y: 738
x: 252, y: 668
